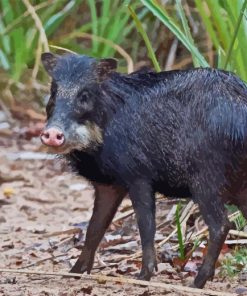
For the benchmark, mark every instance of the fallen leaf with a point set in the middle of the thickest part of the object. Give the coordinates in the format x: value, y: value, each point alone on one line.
x: 8, y: 192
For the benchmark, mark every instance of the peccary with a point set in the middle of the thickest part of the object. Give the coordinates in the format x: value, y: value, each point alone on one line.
x: 180, y: 133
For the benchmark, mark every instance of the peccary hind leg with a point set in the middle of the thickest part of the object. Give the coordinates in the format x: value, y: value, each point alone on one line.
x: 215, y: 216
x: 143, y: 200
x: 107, y: 201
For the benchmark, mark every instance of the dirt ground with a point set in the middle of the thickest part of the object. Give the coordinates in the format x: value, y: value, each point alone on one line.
x: 44, y: 214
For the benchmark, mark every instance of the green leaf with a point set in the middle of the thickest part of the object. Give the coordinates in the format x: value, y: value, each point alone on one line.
x: 186, y: 29
x: 228, y: 55
x: 162, y: 15
x: 94, y: 22
x: 4, y: 61
x: 179, y: 231
x: 55, y: 20
x: 146, y: 40
x: 203, y: 10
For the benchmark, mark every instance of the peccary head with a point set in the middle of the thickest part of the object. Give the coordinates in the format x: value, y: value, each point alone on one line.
x: 75, y: 113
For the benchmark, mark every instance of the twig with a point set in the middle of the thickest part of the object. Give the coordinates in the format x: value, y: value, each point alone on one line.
x: 41, y: 261
x: 38, y: 24
x: 167, y: 238
x: 130, y: 212
x: 62, y: 48
x: 68, y: 231
x: 171, y: 55
x: 123, y: 280
x: 37, y: 59
x: 236, y: 241
x: 123, y: 215
x: 188, y: 210
x: 184, y: 217
x: 238, y: 233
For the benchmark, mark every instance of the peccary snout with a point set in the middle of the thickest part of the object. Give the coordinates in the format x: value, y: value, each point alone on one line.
x: 52, y: 137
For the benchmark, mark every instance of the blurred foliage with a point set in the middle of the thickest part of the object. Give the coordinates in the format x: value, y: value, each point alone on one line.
x: 221, y: 20
x: 236, y: 217
x: 234, y: 263
x: 20, y: 36
x: 177, y: 33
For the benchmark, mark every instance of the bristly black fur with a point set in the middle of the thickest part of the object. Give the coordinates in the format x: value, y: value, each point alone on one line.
x: 181, y: 133
x: 194, y: 103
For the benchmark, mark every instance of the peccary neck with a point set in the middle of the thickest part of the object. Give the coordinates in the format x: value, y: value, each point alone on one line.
x: 113, y: 93
x: 119, y: 88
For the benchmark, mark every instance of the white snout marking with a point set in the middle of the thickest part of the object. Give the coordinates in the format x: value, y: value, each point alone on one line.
x: 84, y: 135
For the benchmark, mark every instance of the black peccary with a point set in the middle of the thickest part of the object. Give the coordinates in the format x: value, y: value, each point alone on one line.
x: 181, y: 133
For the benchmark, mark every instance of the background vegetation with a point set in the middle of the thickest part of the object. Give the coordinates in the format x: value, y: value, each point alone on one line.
x: 181, y: 33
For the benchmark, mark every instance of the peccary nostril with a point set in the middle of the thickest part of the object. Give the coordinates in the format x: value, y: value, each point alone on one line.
x: 60, y: 136
x: 52, y: 137
x: 46, y: 135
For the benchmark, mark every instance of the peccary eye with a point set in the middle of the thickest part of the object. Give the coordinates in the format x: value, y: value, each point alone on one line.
x: 84, y: 102
x: 83, y: 97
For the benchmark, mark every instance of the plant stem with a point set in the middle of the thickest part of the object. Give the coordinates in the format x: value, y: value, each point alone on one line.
x: 145, y: 38
x: 179, y: 231
x: 229, y: 52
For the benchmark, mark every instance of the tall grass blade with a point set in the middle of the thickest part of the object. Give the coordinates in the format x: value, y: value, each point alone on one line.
x: 4, y: 61
x: 221, y: 58
x: 186, y: 29
x: 145, y: 38
x: 203, y: 11
x: 229, y: 52
x: 94, y: 22
x: 179, y: 231
x: 220, y: 21
x: 56, y: 19
x: 160, y: 13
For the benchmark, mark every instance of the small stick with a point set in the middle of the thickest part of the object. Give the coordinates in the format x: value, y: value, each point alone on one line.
x: 238, y: 233
x: 130, y: 212
x: 38, y: 23
x: 236, y: 241
x: 41, y: 261
x: 123, y: 215
x: 123, y: 280
x: 68, y: 231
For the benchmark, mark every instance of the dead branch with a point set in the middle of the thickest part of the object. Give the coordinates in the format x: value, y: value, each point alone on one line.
x: 123, y: 280
x: 238, y: 233
x: 41, y: 261
x: 69, y: 232
x: 123, y: 215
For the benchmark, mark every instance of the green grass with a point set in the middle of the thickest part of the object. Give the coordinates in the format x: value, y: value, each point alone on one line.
x: 227, y: 29
x: 107, y: 24
x: 238, y: 218
x: 234, y: 263
x: 225, y: 24
x: 170, y: 22
x: 20, y: 36
x: 144, y: 35
x: 181, y: 248
x: 107, y: 28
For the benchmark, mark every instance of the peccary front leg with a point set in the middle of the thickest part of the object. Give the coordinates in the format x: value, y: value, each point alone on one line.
x: 215, y: 216
x: 143, y: 200
x: 107, y: 201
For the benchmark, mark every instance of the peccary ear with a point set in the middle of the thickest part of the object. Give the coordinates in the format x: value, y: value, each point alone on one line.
x: 49, y: 61
x: 105, y: 67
